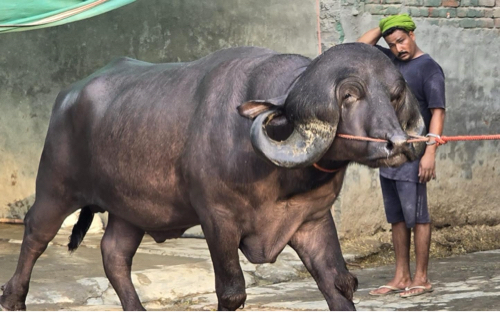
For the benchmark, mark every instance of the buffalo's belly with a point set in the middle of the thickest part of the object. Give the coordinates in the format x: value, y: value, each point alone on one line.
x: 150, y: 213
x: 162, y: 235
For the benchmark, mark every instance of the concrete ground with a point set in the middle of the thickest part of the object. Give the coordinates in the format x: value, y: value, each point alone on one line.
x: 178, y: 275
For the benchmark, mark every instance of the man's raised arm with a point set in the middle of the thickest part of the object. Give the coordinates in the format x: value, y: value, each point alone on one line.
x: 371, y: 37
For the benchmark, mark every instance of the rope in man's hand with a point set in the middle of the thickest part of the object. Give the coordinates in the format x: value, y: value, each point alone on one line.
x: 440, y: 140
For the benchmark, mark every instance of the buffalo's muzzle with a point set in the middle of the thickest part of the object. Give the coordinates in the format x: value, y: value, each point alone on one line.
x: 396, y: 142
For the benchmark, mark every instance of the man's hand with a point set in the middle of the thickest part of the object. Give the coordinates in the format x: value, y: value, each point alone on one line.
x: 427, y: 167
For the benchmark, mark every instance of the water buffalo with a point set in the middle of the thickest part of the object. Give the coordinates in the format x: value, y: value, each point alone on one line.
x: 228, y: 142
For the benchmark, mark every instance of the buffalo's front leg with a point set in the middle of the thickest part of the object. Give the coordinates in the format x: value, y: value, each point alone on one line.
x: 318, y: 246
x: 223, y: 240
x: 119, y: 244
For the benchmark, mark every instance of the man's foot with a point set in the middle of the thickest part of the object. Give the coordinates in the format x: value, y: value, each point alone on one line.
x: 385, y: 290
x: 394, y: 286
x: 416, y: 290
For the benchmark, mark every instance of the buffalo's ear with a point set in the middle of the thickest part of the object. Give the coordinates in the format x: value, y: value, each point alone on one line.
x: 410, y: 118
x: 252, y: 109
x: 408, y: 112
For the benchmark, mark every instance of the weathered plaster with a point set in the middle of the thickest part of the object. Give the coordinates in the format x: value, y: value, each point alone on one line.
x: 36, y: 65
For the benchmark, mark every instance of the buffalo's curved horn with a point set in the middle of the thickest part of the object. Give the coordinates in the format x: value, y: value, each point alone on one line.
x: 305, y: 146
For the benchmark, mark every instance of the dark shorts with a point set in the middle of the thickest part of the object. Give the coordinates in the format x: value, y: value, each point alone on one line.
x: 405, y: 201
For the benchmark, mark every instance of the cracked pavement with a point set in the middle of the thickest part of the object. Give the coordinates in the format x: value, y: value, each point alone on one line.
x: 178, y: 275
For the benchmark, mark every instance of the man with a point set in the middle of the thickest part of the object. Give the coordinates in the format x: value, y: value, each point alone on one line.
x: 404, y: 188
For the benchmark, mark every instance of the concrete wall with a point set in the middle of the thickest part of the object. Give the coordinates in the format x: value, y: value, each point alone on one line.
x: 467, y: 46
x: 35, y: 65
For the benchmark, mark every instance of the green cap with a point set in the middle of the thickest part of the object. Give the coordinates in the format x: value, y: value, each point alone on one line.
x: 403, y: 21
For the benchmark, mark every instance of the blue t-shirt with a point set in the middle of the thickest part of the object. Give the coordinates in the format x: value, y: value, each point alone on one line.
x: 426, y: 80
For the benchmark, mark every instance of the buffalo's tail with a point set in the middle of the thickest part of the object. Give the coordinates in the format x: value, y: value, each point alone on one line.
x: 80, y: 229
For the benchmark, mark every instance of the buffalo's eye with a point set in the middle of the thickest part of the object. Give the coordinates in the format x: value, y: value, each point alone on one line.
x: 350, y: 96
x: 350, y: 90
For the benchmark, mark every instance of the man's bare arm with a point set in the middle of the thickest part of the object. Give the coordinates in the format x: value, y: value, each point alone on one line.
x: 427, y: 169
x: 371, y: 37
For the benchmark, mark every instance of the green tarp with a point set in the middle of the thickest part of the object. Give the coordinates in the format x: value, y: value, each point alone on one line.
x: 20, y: 15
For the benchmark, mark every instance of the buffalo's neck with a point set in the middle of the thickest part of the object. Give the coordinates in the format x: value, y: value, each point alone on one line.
x: 310, y: 182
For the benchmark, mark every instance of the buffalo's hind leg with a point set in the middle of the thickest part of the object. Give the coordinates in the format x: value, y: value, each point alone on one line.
x: 42, y: 222
x: 318, y: 247
x: 119, y: 244
x: 223, y: 240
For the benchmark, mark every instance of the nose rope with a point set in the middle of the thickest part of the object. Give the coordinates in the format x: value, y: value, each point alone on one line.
x: 315, y: 165
x: 414, y: 139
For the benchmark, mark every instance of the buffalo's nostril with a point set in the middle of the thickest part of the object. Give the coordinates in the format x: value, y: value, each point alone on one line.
x: 398, y: 140
x: 389, y: 146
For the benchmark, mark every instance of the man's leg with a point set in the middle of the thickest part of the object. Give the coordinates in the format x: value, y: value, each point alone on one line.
x: 422, y: 237
x: 402, y: 276
x: 422, y: 240
x: 400, y: 238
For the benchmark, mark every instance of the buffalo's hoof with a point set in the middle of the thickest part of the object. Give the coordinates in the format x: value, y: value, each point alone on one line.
x: 2, y: 308
x: 16, y: 307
